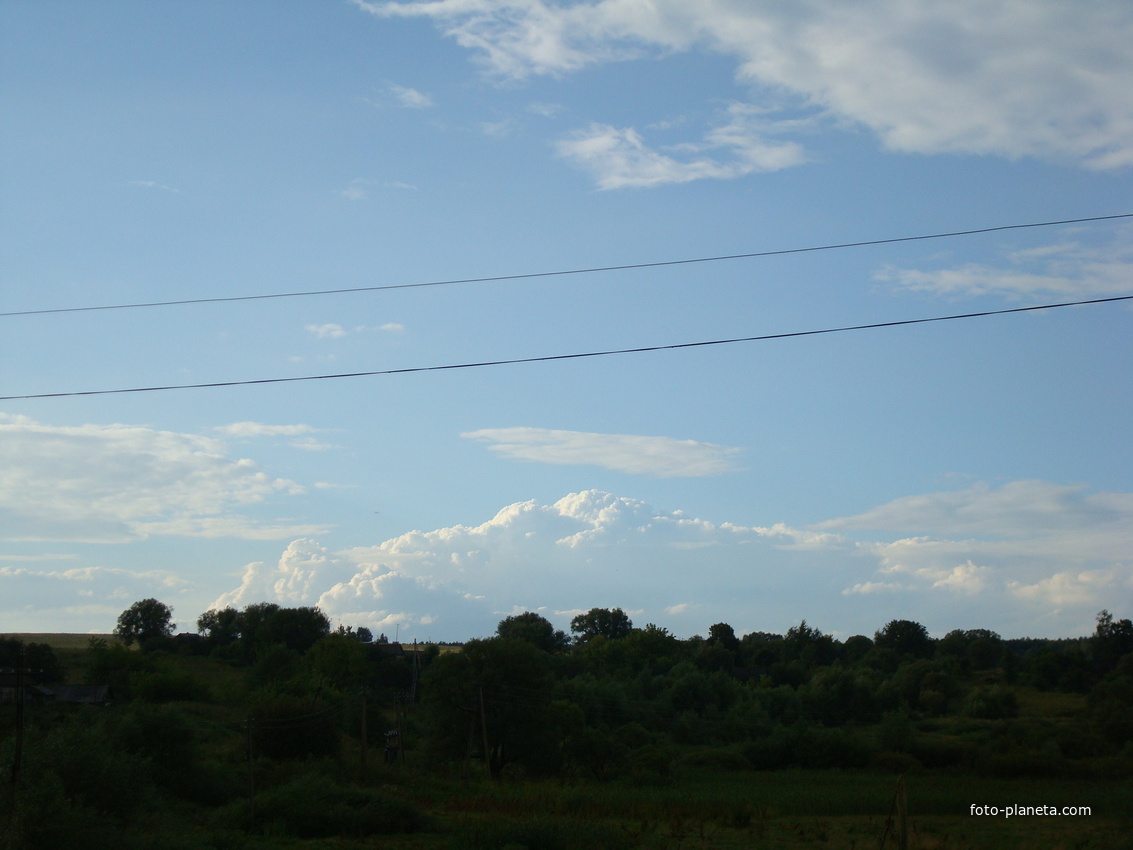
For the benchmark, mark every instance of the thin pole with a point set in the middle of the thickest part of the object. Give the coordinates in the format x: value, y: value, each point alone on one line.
x: 251, y: 771
x: 484, y: 732
x: 17, y: 758
x: 362, y: 754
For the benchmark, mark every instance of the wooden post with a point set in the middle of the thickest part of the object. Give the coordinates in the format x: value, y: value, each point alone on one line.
x: 484, y: 733
x: 251, y: 771
x: 902, y: 816
x: 21, y: 672
x: 365, y: 744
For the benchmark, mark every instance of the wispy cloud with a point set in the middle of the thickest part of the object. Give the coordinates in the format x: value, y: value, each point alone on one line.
x: 330, y: 330
x: 411, y: 98
x: 360, y: 188
x: 152, y: 184
x: 116, y: 483
x: 333, y: 330
x: 1045, y: 78
x: 1067, y: 269
x: 1052, y: 546
x: 259, y: 429
x: 620, y: 158
x: 663, y: 457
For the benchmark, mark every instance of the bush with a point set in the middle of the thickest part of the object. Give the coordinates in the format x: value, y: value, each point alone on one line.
x: 717, y: 760
x: 165, y: 684
x: 314, y: 806
x: 293, y: 727
x: 994, y: 703
x: 540, y: 833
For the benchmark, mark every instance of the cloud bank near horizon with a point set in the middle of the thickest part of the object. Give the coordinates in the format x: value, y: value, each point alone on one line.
x: 1027, y: 556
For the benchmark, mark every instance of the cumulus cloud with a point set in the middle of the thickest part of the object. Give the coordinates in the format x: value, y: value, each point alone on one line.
x: 587, y: 549
x: 664, y: 457
x: 1027, y: 548
x: 1068, y: 269
x: 1043, y: 561
x: 1044, y: 78
x: 113, y: 483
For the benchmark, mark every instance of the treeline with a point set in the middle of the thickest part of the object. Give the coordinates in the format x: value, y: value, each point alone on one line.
x: 269, y: 722
x: 612, y: 699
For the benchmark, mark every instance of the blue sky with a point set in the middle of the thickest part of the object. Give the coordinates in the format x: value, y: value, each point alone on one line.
x: 964, y: 474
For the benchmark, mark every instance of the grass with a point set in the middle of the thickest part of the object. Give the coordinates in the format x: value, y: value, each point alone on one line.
x: 58, y: 640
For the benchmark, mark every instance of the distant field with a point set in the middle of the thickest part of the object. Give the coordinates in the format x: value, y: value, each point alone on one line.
x: 57, y: 640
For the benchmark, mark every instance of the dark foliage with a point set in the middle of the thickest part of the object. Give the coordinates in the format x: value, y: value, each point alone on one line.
x: 145, y: 621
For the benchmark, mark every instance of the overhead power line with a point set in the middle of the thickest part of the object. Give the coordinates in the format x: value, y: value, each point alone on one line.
x: 576, y: 356
x: 565, y: 272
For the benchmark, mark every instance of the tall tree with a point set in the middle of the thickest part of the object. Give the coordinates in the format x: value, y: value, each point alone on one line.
x: 905, y: 637
x: 534, y: 629
x: 145, y: 620
x: 611, y: 623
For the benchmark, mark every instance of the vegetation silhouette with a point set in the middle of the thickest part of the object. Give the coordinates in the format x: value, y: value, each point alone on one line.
x: 269, y: 729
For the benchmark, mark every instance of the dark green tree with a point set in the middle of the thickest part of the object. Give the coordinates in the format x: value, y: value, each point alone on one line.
x: 219, y: 626
x: 905, y: 637
x: 1112, y: 639
x: 725, y: 635
x: 610, y: 623
x: 340, y: 661
x: 503, y: 686
x: 144, y: 621
x: 37, y: 657
x: 534, y: 629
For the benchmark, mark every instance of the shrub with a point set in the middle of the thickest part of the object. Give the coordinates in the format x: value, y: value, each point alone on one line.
x: 314, y: 806
x: 994, y: 703
x: 293, y: 727
x: 715, y: 759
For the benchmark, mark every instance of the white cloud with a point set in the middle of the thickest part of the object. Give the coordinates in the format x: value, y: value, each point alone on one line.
x: 1016, y: 510
x: 1061, y: 270
x: 1032, y: 571
x: 355, y: 192
x: 619, y: 158
x: 105, y: 483
x: 1072, y: 588
x: 94, y: 594
x: 546, y: 110
x: 259, y: 429
x: 327, y: 331
x: 867, y: 587
x: 152, y: 184
x: 411, y: 98
x: 663, y: 457
x: 1027, y: 548
x: 585, y: 550
x: 1043, y: 78
x: 332, y: 330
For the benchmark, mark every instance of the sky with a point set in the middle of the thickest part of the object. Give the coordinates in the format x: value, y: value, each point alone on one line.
x: 970, y: 473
